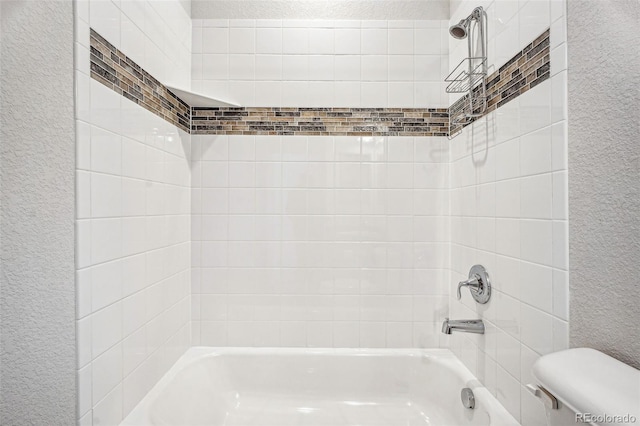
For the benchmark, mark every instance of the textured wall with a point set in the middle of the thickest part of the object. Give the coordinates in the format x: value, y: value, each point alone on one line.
x: 604, y: 177
x: 313, y: 9
x: 37, y: 346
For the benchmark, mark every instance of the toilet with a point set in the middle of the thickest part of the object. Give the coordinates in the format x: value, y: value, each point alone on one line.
x: 585, y: 386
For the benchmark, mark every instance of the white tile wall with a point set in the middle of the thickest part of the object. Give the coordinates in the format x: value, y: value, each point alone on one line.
x: 508, y: 212
x: 319, y: 241
x: 321, y: 63
x: 133, y: 219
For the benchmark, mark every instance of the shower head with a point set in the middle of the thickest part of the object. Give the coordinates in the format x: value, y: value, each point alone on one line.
x: 459, y: 30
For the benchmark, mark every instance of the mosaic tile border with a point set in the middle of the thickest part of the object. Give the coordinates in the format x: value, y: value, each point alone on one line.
x: 321, y: 121
x: 528, y: 68
x: 114, y: 69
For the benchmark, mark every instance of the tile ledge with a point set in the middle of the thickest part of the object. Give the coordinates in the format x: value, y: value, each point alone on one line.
x: 194, y: 99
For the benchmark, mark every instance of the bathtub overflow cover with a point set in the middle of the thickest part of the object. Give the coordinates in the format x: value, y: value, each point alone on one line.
x: 468, y: 400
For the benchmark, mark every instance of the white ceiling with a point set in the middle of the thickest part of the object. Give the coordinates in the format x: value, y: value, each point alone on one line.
x: 320, y: 9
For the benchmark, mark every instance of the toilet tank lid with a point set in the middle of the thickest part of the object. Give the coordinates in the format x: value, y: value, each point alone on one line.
x: 589, y: 381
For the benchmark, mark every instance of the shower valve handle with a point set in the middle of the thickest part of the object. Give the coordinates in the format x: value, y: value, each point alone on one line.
x: 478, y: 283
x: 474, y: 283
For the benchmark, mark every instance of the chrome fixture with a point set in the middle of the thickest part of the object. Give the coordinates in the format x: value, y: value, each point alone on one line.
x: 465, y: 326
x: 478, y: 283
x: 469, y: 77
x: 544, y: 395
x: 468, y: 399
x: 459, y: 30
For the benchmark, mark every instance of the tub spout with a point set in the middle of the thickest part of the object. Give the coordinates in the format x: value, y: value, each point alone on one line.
x: 466, y: 326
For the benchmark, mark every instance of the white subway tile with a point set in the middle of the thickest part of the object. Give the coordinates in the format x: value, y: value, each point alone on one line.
x: 561, y: 294
x: 399, y: 335
x: 508, y: 392
x: 106, y: 195
x: 295, y: 93
x: 534, y: 19
x: 537, y: 331
x: 400, y: 149
x: 106, y: 372
x: 106, y: 151
x: 106, y: 242
x: 106, y: 284
x: 536, y: 287
x: 508, y: 199
x: 374, y: 41
x: 269, y: 40
x: 532, y: 412
x: 242, y: 92
x: 347, y: 67
x: 108, y: 411
x: 560, y: 244
x: 293, y: 334
x: 321, y: 41
x: 427, y: 41
x: 321, y: 67
x: 401, y: 94
x: 215, y: 40
x: 215, y: 201
x: 84, y: 390
x: 536, y: 243
x: 242, y: 67
x: 399, y: 201
x: 373, y: 334
x: 242, y: 40
x: 322, y: 93
x: 535, y: 152
x: 508, y: 353
x: 347, y: 41
x: 430, y: 175
x: 560, y: 335
x: 347, y: 201
x: 214, y: 253
x: 401, y: 41
x: 558, y: 9
x: 507, y: 156
x: 213, y: 333
x: 346, y: 334
x: 295, y: 40
x: 536, y: 197
x: 214, y: 67
x: 104, y: 18
x: 559, y: 103
x: 401, y: 68
x: 535, y: 107
x: 134, y: 351
x: 106, y: 326
x: 241, y: 174
x: 268, y: 67
x: 319, y: 334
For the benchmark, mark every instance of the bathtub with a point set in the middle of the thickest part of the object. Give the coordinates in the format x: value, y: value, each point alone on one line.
x: 316, y: 387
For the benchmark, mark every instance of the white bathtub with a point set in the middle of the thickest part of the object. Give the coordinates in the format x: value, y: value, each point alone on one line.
x: 316, y: 387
